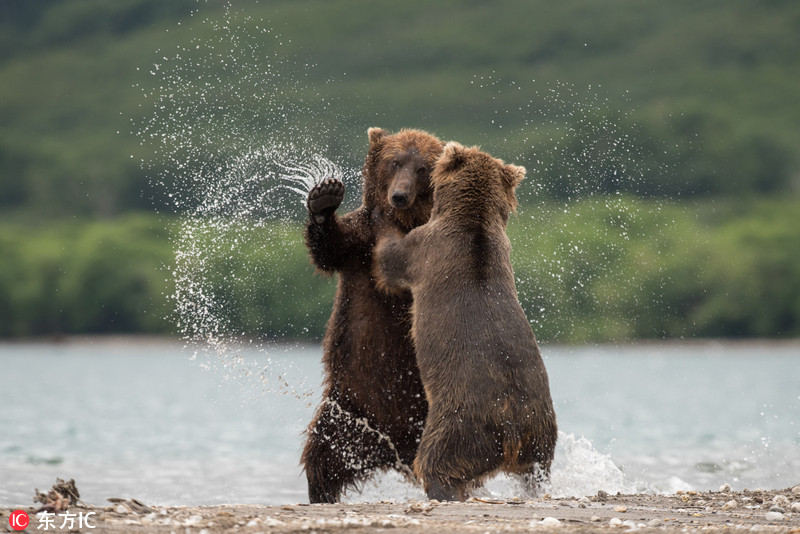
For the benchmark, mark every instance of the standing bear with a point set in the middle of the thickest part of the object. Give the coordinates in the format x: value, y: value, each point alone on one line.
x: 489, y: 405
x: 373, y: 406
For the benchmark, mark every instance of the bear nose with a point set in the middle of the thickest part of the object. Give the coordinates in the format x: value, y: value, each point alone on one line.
x: 399, y: 199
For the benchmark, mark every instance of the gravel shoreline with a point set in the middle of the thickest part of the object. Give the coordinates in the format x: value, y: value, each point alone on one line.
x: 763, y: 511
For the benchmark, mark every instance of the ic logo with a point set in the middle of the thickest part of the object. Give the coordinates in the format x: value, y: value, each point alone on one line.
x: 19, y: 520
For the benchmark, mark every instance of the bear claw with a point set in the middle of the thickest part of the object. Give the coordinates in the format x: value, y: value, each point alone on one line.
x: 324, y: 198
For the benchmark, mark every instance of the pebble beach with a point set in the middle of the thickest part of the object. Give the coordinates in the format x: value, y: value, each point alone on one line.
x: 724, y: 510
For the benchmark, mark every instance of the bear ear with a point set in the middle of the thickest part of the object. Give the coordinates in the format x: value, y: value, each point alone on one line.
x: 375, y: 136
x: 452, y: 156
x: 513, y: 175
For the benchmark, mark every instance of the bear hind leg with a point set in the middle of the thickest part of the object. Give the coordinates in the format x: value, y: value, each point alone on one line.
x: 437, y: 490
x: 331, y: 456
x: 340, y: 453
x: 533, y: 481
x: 327, y: 473
x: 454, y: 459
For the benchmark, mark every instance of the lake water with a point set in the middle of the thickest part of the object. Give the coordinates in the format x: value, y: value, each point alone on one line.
x: 150, y: 420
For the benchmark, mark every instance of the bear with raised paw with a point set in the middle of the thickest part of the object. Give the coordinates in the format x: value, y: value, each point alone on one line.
x: 489, y: 404
x: 373, y: 406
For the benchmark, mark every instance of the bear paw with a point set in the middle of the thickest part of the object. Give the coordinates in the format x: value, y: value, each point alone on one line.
x: 324, y: 198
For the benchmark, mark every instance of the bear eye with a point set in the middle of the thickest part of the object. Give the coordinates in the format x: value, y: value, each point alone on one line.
x: 422, y: 171
x: 395, y: 165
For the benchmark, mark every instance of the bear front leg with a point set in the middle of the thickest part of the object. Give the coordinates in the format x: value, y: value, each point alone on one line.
x: 324, y: 198
x: 334, y: 242
x: 390, y: 263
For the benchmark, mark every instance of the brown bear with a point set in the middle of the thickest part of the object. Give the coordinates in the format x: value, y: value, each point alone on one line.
x: 373, y: 406
x: 489, y: 404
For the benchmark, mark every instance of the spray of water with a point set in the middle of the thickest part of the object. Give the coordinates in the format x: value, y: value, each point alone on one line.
x: 587, y: 163
x: 302, y: 176
x: 340, y: 413
x: 233, y: 145
x: 578, y: 470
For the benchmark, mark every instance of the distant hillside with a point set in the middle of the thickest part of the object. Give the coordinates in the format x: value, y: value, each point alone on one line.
x: 704, y: 93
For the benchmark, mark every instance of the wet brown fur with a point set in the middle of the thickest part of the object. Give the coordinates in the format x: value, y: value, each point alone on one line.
x: 488, y: 393
x: 371, y: 377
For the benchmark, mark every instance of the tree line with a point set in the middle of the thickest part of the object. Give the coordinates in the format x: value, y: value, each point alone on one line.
x: 590, y: 271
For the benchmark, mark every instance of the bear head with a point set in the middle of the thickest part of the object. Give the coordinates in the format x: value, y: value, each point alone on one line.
x: 397, y: 175
x: 470, y: 182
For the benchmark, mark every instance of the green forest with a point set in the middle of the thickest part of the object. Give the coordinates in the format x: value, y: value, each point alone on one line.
x: 660, y: 140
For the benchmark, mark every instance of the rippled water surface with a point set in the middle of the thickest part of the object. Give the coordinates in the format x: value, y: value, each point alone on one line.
x: 155, y: 421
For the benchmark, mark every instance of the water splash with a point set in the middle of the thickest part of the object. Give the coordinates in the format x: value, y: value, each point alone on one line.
x: 345, y: 417
x: 232, y: 141
x: 590, y: 165
x: 302, y: 176
x: 578, y: 470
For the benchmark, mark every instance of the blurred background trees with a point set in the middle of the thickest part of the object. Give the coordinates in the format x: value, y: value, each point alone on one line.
x: 688, y: 114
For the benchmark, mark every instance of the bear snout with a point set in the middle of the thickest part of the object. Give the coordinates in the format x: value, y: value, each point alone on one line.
x: 399, y: 199
x: 402, y: 192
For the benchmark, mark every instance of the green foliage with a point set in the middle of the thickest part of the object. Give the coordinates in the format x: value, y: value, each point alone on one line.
x: 261, y: 282
x: 85, y: 277
x: 45, y: 23
x: 612, y: 270
x: 752, y: 283
x: 602, y: 269
x: 706, y: 94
